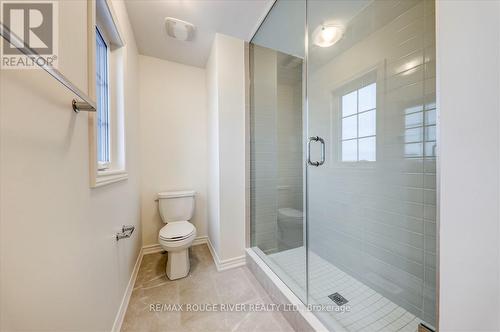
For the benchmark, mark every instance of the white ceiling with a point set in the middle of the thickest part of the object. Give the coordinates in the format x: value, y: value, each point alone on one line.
x: 284, y: 28
x: 237, y: 18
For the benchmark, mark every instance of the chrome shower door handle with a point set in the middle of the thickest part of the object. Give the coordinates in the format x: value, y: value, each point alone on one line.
x: 322, y: 141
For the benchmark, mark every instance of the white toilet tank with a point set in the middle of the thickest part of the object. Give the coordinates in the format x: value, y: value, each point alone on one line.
x: 176, y: 205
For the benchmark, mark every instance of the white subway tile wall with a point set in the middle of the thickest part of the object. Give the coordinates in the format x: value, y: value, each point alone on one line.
x: 263, y: 144
x: 276, y: 144
x: 277, y: 157
x: 372, y: 205
x: 377, y: 221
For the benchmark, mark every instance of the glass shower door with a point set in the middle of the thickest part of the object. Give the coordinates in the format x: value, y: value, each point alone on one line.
x: 371, y: 174
x: 276, y: 145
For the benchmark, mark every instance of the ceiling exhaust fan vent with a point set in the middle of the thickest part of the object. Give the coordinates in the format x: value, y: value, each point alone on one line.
x: 179, y: 29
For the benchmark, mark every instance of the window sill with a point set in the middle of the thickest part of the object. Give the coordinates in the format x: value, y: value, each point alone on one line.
x: 108, y: 177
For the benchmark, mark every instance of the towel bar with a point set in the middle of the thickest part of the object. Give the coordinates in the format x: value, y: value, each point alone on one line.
x: 86, y: 105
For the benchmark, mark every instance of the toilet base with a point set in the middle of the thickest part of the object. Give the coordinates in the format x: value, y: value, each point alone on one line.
x: 177, y: 264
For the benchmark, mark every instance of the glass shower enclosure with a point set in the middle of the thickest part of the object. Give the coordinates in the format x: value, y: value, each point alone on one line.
x: 343, y: 158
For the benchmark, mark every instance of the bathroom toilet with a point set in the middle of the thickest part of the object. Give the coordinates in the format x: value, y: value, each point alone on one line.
x: 176, y: 210
x: 290, y: 228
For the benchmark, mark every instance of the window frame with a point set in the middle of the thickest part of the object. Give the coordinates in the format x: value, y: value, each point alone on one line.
x: 101, y: 16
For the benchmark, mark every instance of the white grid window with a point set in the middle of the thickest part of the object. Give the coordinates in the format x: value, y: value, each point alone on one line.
x: 359, y: 115
x: 420, y: 131
x: 102, y: 92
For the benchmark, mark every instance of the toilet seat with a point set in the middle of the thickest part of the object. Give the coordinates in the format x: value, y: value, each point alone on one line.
x: 177, y: 236
x: 177, y: 231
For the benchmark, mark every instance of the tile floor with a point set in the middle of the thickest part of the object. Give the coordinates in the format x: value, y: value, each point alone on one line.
x: 203, y: 285
x: 370, y: 311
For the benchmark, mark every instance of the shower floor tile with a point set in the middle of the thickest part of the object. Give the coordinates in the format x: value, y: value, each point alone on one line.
x: 369, y: 310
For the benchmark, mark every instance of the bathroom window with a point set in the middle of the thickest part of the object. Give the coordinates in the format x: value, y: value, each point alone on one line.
x: 107, y: 64
x: 420, y: 131
x: 358, y: 124
x: 102, y: 98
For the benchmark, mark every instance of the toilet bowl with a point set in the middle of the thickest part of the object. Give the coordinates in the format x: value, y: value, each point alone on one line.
x: 290, y: 228
x: 176, y: 209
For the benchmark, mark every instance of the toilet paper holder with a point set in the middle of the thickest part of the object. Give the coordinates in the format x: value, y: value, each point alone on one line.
x: 125, y: 233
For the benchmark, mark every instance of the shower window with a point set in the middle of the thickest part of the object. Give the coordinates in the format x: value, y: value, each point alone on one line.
x: 420, y: 131
x: 359, y: 114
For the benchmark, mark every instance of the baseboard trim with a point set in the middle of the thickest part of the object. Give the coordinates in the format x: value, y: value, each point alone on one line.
x: 151, y: 249
x: 117, y: 325
x: 221, y: 265
x: 200, y: 240
x: 154, y: 248
x: 226, y: 264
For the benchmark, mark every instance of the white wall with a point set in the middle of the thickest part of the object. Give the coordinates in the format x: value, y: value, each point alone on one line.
x: 468, y: 89
x: 173, y: 121
x: 61, y: 266
x: 226, y: 85
x: 231, y: 87
x: 213, y: 190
